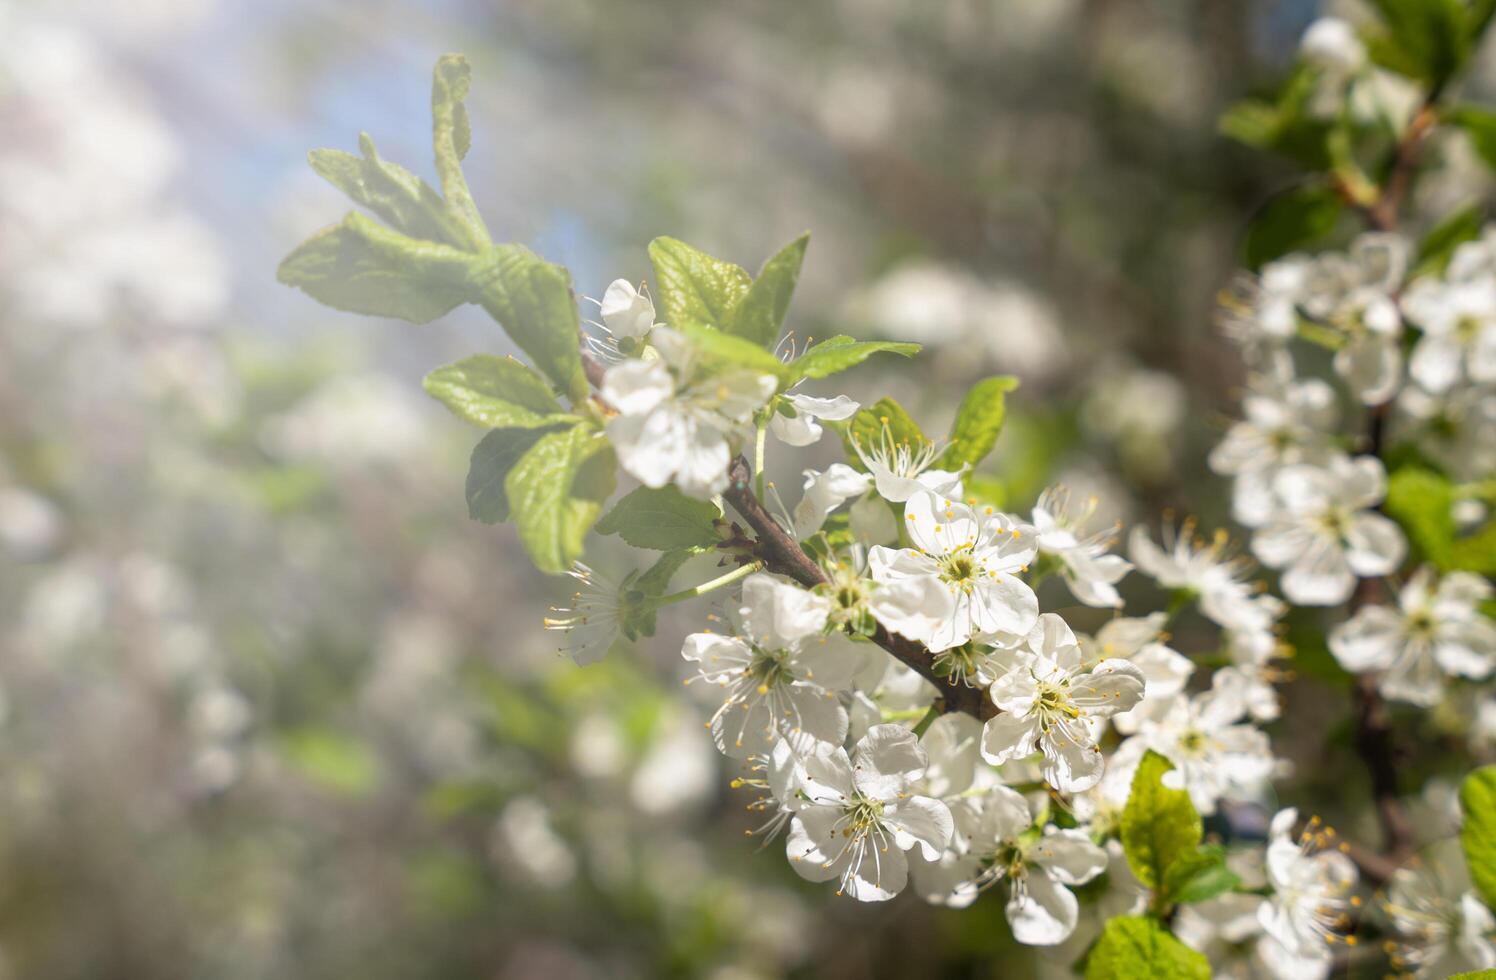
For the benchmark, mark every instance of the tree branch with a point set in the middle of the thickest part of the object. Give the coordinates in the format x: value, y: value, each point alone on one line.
x: 781, y: 553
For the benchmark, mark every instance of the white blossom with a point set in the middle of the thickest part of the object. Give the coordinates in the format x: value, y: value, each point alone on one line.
x: 1312, y: 887
x: 1441, y: 925
x: 1353, y: 292
x: 1088, y: 569
x: 1048, y: 702
x: 676, y: 421
x: 1215, y: 752
x: 1001, y: 844
x: 1457, y: 315
x: 1140, y: 640
x: 1326, y: 533
x: 803, y: 428
x: 854, y: 817
x: 1212, y: 572
x: 901, y: 469
x: 779, y: 679
x: 627, y: 311
x: 1286, y: 421
x: 1433, y: 632
x: 974, y: 558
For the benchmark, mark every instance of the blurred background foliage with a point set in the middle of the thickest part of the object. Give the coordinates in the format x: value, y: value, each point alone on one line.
x: 273, y: 706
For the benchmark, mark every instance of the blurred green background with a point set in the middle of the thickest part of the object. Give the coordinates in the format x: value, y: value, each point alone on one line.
x: 272, y: 705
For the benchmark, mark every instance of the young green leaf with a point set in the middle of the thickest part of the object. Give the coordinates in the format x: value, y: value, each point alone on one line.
x: 1478, y: 832
x: 662, y: 520
x: 1199, y: 876
x: 695, y: 288
x: 556, y: 490
x: 405, y: 202
x: 532, y: 299
x: 1159, y: 824
x: 760, y: 316
x: 1425, y: 39
x: 1421, y: 501
x: 978, y: 422
x: 728, y: 351
x: 451, y: 135
x: 492, y: 459
x: 839, y: 353
x: 496, y: 393
x: 651, y: 584
x: 1290, y: 221
x: 1134, y: 948
x: 883, y: 423
x: 362, y: 267
x: 1438, y: 246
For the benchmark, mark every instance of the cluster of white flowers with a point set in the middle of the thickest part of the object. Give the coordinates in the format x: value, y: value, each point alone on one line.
x: 880, y: 789
x: 1311, y: 505
x: 874, y: 789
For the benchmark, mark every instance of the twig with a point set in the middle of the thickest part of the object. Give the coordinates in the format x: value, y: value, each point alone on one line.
x: 783, y: 555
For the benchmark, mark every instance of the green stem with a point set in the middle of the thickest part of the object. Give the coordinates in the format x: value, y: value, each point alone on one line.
x: 760, y: 437
x: 925, y: 722
x: 721, y: 581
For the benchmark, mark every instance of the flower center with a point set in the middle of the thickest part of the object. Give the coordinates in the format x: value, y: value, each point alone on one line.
x: 771, y: 669
x: 1053, y: 704
x: 960, y: 569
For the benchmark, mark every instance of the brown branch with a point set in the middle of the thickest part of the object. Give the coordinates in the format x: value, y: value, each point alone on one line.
x: 1384, y: 213
x: 781, y: 553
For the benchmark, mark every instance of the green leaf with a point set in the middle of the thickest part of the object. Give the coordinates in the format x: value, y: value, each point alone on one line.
x: 662, y: 520
x: 1476, y: 975
x: 883, y: 422
x: 1480, y: 124
x: 1292, y: 220
x: 639, y: 618
x: 362, y: 267
x: 978, y: 422
x: 1159, y: 825
x: 1285, y: 125
x: 725, y: 350
x: 1478, y: 832
x: 556, y: 491
x: 451, y: 136
x: 1438, y: 246
x: 1426, y: 39
x: 1199, y: 876
x: 1422, y: 502
x: 761, y: 314
x: 405, y: 202
x: 332, y: 760
x: 839, y: 353
x: 496, y: 393
x: 533, y: 301
x: 695, y: 288
x: 1134, y: 948
x: 489, y: 467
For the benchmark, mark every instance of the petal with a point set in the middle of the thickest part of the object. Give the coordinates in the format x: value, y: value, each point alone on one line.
x: 922, y: 821
x: 1042, y: 912
x: 1003, y: 603
x: 626, y: 312
x: 778, y: 613
x: 812, y: 844
x: 1008, y: 736
x: 1112, y: 687
x: 835, y: 409
x: 1072, y: 762
x: 1436, y: 363
x: 938, y: 525
x: 912, y: 607
x: 1070, y: 856
x: 886, y: 761
x: 1320, y: 577
x: 1369, y: 640
x: 872, y: 522
x: 1375, y: 545
x: 635, y: 387
x: 802, y: 430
